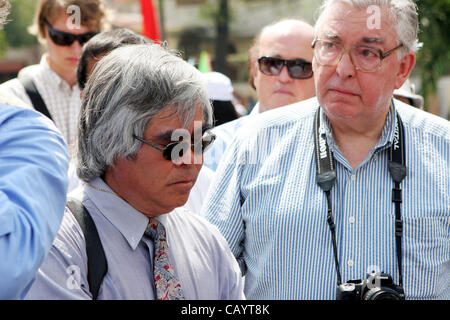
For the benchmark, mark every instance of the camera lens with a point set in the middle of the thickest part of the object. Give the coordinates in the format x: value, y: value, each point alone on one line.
x: 382, y: 293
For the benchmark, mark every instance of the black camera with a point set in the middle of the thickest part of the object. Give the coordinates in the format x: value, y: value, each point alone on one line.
x: 376, y: 286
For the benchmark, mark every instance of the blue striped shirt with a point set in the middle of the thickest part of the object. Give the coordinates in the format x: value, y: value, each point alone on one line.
x: 267, y: 204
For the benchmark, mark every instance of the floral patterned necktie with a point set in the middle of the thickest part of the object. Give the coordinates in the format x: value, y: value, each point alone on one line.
x: 167, y: 284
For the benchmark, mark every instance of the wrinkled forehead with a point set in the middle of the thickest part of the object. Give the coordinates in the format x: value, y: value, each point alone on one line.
x: 372, y: 24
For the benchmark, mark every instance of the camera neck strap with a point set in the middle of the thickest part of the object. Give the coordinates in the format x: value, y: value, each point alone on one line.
x: 326, y: 178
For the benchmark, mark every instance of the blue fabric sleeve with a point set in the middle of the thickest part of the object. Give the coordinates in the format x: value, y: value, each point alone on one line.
x: 33, y: 184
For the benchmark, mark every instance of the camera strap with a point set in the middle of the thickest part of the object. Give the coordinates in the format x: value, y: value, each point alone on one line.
x: 326, y: 178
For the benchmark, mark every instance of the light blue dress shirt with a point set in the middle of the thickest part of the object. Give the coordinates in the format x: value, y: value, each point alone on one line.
x: 33, y: 183
x: 198, y: 253
x: 225, y: 134
x: 267, y: 204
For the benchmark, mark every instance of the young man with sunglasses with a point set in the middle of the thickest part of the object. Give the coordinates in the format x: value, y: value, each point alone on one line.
x: 139, y: 154
x: 279, y: 70
x: 351, y: 183
x: 62, y: 26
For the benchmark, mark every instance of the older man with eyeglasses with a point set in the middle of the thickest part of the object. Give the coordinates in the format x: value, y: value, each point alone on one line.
x: 62, y: 26
x: 345, y: 196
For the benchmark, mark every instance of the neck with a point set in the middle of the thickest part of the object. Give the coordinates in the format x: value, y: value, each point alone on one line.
x: 117, y: 181
x: 356, y: 141
x: 69, y: 77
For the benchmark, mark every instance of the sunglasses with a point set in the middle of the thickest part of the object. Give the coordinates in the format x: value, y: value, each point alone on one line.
x: 62, y: 38
x: 175, y: 150
x: 297, y: 69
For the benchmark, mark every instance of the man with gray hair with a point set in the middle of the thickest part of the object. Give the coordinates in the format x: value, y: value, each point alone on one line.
x: 33, y: 183
x: 349, y: 196
x: 143, y: 129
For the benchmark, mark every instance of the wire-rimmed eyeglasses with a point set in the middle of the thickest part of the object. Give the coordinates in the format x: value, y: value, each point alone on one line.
x: 364, y: 58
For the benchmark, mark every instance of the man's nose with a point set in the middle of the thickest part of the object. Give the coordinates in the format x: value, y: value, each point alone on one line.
x: 284, y: 75
x: 76, y: 47
x: 346, y: 68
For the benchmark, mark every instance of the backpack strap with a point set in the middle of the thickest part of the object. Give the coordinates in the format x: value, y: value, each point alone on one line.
x: 33, y: 94
x: 97, y: 264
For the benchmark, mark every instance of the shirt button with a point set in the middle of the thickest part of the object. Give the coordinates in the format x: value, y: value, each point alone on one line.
x: 351, y: 220
x: 353, y: 177
x: 350, y: 263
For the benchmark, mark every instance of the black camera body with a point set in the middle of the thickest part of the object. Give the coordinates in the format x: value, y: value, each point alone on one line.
x: 376, y: 286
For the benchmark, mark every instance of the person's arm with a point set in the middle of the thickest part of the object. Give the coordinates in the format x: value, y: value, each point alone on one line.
x: 231, y: 279
x: 63, y: 274
x: 222, y: 206
x: 33, y: 184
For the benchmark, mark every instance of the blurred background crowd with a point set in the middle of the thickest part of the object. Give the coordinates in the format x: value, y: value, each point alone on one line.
x: 216, y: 35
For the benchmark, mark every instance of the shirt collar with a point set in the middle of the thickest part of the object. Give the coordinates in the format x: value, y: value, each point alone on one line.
x: 255, y: 109
x: 387, y: 136
x: 130, y: 222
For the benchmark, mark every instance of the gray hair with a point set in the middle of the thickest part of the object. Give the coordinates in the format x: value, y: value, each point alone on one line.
x: 126, y: 90
x: 403, y: 12
x: 4, y: 11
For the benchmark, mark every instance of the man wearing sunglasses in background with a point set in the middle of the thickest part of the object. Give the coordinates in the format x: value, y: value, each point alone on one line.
x: 279, y: 70
x: 352, y: 183
x: 139, y: 153
x: 62, y: 26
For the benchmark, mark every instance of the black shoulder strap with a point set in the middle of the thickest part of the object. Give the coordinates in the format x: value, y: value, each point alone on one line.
x: 397, y: 169
x: 326, y: 178
x: 33, y: 93
x: 97, y: 264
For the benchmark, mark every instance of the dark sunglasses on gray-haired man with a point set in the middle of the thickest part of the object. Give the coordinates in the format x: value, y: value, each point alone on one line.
x: 175, y: 150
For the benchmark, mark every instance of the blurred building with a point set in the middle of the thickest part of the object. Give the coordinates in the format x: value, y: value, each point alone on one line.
x: 188, y: 25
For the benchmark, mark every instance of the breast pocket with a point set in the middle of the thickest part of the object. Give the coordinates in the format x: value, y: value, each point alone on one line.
x: 426, y: 252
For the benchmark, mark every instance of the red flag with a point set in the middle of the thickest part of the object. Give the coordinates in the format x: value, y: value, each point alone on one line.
x: 150, y: 22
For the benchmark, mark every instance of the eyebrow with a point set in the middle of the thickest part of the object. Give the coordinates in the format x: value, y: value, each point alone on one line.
x: 164, y: 136
x: 331, y: 35
x: 368, y: 40
x: 373, y: 40
x: 167, y: 135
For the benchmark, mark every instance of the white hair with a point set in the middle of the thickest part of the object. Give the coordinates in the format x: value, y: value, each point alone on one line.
x: 403, y: 12
x: 4, y: 10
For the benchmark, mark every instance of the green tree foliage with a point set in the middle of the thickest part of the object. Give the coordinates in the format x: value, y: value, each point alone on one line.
x: 434, y: 57
x: 220, y: 12
x: 15, y: 33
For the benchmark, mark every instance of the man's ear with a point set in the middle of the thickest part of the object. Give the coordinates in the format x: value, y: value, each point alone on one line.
x: 255, y: 69
x: 406, y: 65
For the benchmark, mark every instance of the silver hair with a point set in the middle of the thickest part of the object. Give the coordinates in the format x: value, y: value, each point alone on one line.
x: 403, y: 12
x: 4, y: 11
x: 127, y: 89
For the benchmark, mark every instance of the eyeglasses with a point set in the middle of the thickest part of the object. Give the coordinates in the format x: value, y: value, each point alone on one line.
x: 297, y: 69
x: 364, y: 58
x: 175, y: 150
x: 62, y: 38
